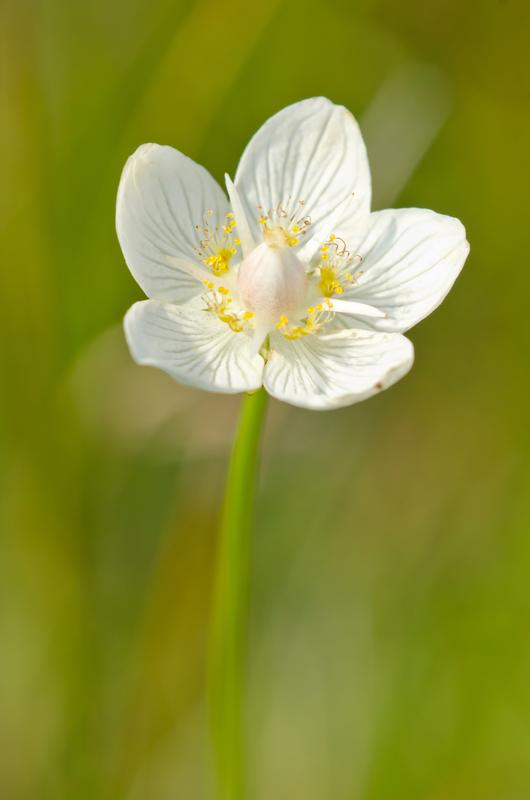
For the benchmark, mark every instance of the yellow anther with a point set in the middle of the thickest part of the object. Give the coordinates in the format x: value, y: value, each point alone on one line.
x: 218, y: 301
x: 233, y: 322
x: 317, y: 317
x: 220, y: 261
x: 295, y: 333
x: 237, y: 240
x: 216, y: 245
x: 284, y: 224
x: 329, y: 283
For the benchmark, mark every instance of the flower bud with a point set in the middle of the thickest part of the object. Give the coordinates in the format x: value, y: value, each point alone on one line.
x: 272, y: 282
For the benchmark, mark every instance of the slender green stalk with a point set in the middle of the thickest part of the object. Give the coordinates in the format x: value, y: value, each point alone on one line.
x: 230, y: 603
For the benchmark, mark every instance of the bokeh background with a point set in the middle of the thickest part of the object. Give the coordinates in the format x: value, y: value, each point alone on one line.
x: 390, y: 634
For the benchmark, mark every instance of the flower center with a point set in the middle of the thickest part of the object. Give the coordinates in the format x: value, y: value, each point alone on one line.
x: 272, y: 282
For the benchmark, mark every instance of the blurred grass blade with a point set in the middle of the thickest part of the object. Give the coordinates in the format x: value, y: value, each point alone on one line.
x: 399, y: 126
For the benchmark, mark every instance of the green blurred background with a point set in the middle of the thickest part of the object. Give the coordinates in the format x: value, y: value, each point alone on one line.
x: 390, y: 634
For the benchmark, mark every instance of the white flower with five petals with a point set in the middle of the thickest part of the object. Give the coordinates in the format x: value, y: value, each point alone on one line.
x: 293, y: 283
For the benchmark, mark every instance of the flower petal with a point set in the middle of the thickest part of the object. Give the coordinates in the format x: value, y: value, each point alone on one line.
x: 244, y: 231
x: 193, y: 347
x: 354, y: 307
x: 313, y: 152
x: 411, y: 258
x: 162, y: 196
x: 334, y: 370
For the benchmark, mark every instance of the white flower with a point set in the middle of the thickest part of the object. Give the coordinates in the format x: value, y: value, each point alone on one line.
x: 293, y: 284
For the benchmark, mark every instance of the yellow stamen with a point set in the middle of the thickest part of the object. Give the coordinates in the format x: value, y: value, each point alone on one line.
x: 315, y: 320
x: 284, y: 225
x: 217, y: 246
x: 329, y: 283
x: 219, y: 262
x: 217, y: 302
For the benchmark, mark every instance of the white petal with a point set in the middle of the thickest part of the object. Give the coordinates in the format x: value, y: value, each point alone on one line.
x: 162, y: 196
x: 411, y: 258
x: 311, y: 151
x: 330, y: 371
x: 193, y: 347
x: 352, y: 307
x: 244, y: 231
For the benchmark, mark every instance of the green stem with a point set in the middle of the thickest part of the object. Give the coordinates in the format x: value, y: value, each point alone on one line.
x: 230, y: 602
